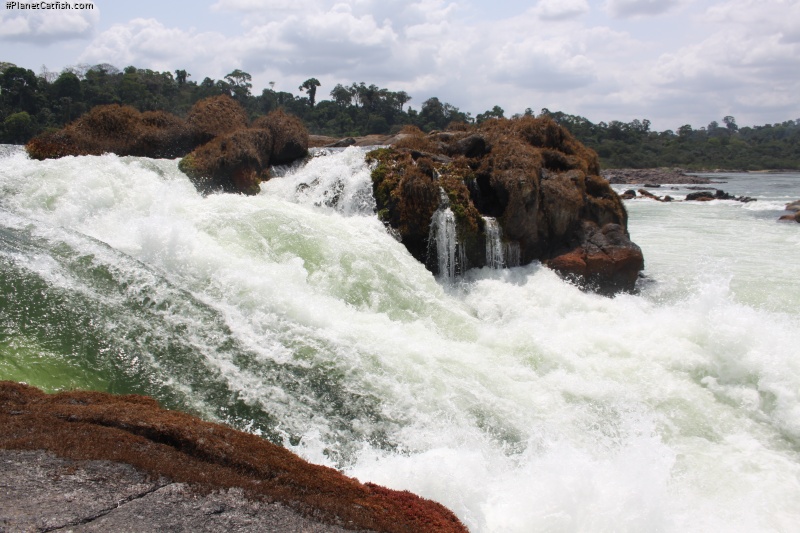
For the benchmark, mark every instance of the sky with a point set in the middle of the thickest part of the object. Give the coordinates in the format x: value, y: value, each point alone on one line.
x: 673, y: 62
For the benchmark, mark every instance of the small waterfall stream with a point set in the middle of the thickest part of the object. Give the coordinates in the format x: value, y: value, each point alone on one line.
x: 495, y: 258
x: 443, y: 239
x: 512, y: 254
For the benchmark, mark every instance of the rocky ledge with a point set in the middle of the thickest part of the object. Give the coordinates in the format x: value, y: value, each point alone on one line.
x: 98, y: 462
x: 524, y: 186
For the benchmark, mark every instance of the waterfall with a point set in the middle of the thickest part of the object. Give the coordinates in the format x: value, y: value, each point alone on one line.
x: 443, y: 239
x: 495, y: 258
x: 512, y: 254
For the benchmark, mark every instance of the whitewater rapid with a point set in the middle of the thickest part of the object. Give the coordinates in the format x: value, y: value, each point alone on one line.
x: 515, y: 399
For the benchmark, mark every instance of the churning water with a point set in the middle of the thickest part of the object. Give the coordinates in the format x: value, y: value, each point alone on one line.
x: 515, y: 399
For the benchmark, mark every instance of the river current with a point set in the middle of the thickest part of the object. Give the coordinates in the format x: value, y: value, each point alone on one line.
x: 510, y: 396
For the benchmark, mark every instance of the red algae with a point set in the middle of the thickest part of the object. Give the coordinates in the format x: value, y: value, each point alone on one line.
x: 135, y: 430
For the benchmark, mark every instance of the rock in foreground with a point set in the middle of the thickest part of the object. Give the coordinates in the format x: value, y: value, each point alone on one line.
x: 526, y: 177
x: 177, y: 451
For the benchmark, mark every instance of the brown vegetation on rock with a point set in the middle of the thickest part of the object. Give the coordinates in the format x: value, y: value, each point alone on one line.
x: 236, y: 162
x: 135, y: 430
x: 289, y: 136
x: 539, y: 182
x: 214, y: 116
x: 231, y: 157
x: 121, y: 130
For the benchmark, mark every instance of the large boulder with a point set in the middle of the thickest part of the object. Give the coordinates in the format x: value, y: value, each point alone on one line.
x: 540, y: 185
x: 236, y: 162
x: 239, y: 160
x: 605, y: 261
x: 289, y: 136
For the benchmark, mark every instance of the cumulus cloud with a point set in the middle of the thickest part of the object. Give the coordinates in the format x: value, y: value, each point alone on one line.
x: 780, y: 17
x: 560, y: 9
x: 46, y: 27
x: 149, y: 42
x: 548, y: 55
x: 557, y: 63
x: 639, y: 8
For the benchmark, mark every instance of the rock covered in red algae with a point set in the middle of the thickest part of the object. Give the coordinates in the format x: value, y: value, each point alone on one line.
x: 540, y: 184
x: 177, y: 449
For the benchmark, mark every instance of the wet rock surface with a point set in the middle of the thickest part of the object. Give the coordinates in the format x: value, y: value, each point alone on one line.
x: 40, y: 491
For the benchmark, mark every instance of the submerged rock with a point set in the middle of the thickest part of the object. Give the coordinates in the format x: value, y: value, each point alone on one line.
x: 180, y: 464
x: 541, y: 185
x: 718, y: 194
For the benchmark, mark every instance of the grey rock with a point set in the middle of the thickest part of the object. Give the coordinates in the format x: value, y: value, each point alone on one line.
x: 42, y: 492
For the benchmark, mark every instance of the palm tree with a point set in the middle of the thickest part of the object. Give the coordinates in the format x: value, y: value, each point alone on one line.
x: 310, y: 86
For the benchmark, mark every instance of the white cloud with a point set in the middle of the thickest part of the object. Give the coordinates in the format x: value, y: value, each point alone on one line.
x: 761, y: 16
x: 550, y: 55
x: 560, y: 9
x: 148, y: 42
x: 544, y: 65
x: 266, y: 6
x: 46, y: 27
x: 640, y: 8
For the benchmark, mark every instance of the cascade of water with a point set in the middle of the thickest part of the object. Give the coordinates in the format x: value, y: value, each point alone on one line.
x: 512, y: 254
x: 338, y: 180
x: 495, y: 258
x: 443, y: 238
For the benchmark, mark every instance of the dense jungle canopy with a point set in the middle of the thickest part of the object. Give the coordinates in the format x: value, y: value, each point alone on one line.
x: 31, y: 103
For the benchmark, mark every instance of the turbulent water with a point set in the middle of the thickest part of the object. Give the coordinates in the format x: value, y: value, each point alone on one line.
x: 515, y: 399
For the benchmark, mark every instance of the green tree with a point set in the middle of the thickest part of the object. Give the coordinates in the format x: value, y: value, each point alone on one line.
x: 240, y: 84
x: 18, y: 128
x: 18, y: 89
x: 310, y: 86
x: 495, y: 112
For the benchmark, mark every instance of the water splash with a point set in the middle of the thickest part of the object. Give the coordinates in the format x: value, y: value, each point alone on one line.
x: 338, y: 180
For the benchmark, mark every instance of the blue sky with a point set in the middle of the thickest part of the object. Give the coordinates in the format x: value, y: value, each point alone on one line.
x: 673, y: 62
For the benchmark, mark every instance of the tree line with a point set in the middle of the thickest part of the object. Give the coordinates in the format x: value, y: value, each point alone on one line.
x: 31, y: 103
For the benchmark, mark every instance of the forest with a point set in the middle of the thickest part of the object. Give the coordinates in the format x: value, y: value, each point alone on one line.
x: 31, y: 103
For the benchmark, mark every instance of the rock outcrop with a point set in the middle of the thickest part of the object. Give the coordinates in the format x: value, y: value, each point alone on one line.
x: 530, y: 175
x: 221, y: 152
x: 116, y: 129
x: 716, y: 194
x: 794, y: 209
x: 179, y: 450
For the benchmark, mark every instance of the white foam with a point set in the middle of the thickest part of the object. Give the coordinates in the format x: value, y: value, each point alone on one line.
x: 514, y: 398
